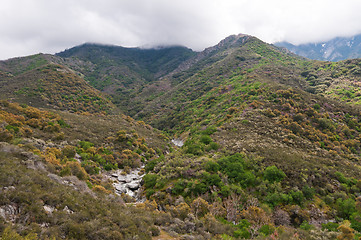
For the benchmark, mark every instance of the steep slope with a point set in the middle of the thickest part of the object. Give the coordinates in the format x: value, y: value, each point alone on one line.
x: 41, y: 205
x: 123, y: 72
x: 39, y: 81
x: 336, y: 49
x: 271, y: 141
x: 255, y: 134
x: 219, y: 74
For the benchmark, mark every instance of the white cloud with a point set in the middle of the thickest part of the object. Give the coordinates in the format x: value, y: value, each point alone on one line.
x: 32, y: 26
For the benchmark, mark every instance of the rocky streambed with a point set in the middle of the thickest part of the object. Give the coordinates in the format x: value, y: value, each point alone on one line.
x: 130, y: 183
x: 127, y: 183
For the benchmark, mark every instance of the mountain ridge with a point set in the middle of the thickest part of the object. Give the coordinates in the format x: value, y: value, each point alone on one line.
x: 336, y: 49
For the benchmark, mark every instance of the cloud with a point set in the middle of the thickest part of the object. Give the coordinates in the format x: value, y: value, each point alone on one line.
x: 32, y: 26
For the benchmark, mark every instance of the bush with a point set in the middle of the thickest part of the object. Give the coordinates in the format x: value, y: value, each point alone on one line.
x: 356, y: 221
x: 210, y: 130
x: 211, y: 166
x: 273, y: 174
x: 205, y: 139
x: 68, y: 151
x: 5, y: 136
x: 193, y: 147
x: 85, y: 145
x: 330, y: 226
x: 297, y: 197
x: 150, y: 180
x: 346, y: 207
x: 75, y: 169
x: 306, y: 226
x: 243, y: 229
x: 308, y: 192
x: 154, y: 231
x: 179, y: 187
x: 267, y: 229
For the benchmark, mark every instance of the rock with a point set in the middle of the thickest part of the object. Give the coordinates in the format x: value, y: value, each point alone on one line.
x: 133, y: 185
x: 66, y: 209
x: 127, y: 183
x: 9, y: 212
x: 49, y: 209
x: 178, y: 142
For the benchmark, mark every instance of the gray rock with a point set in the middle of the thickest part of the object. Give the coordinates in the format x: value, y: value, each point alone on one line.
x: 49, y: 209
x: 127, y: 183
x: 9, y: 212
x: 133, y: 185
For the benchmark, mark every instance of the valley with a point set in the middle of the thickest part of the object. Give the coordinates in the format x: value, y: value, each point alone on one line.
x: 243, y: 140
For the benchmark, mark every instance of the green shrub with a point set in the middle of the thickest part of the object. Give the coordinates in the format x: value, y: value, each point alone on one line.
x: 85, y: 145
x: 273, y: 174
x: 297, y: 197
x: 212, y: 166
x: 243, y: 230
x: 205, y: 139
x: 11, y: 128
x: 356, y: 221
x: 308, y: 192
x: 211, y: 179
x: 210, y: 130
x: 193, y: 147
x: 90, y: 167
x: 306, y: 226
x: 213, y: 146
x: 346, y: 207
x: 330, y: 226
x: 179, y: 186
x: 199, y: 188
x: 150, y: 180
x: 267, y: 229
x: 68, y: 151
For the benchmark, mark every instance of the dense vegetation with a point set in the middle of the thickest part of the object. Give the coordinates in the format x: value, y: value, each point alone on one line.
x: 272, y: 144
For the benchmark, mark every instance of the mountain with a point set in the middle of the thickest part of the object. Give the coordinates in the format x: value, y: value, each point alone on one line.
x: 268, y: 144
x: 40, y: 81
x: 123, y: 72
x: 336, y: 49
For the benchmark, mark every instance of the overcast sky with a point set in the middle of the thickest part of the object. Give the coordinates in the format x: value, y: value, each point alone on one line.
x: 49, y: 26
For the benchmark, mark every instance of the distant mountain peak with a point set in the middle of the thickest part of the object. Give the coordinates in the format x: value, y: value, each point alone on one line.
x: 336, y: 49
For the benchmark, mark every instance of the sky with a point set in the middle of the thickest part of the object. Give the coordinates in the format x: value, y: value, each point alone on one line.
x: 49, y: 26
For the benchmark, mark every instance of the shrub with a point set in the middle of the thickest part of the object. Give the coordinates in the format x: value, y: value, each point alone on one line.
x: 210, y: 130
x: 5, y: 136
x: 85, y: 145
x: 75, y: 169
x: 346, y: 207
x: 211, y: 166
x: 297, y: 197
x: 68, y: 151
x: 212, y: 179
x: 154, y: 231
x: 150, y: 180
x: 200, y: 207
x: 243, y: 230
x: 267, y: 229
x: 330, y: 226
x: 273, y: 174
x: 308, y: 192
x: 206, y: 139
x: 356, y: 221
x: 90, y: 167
